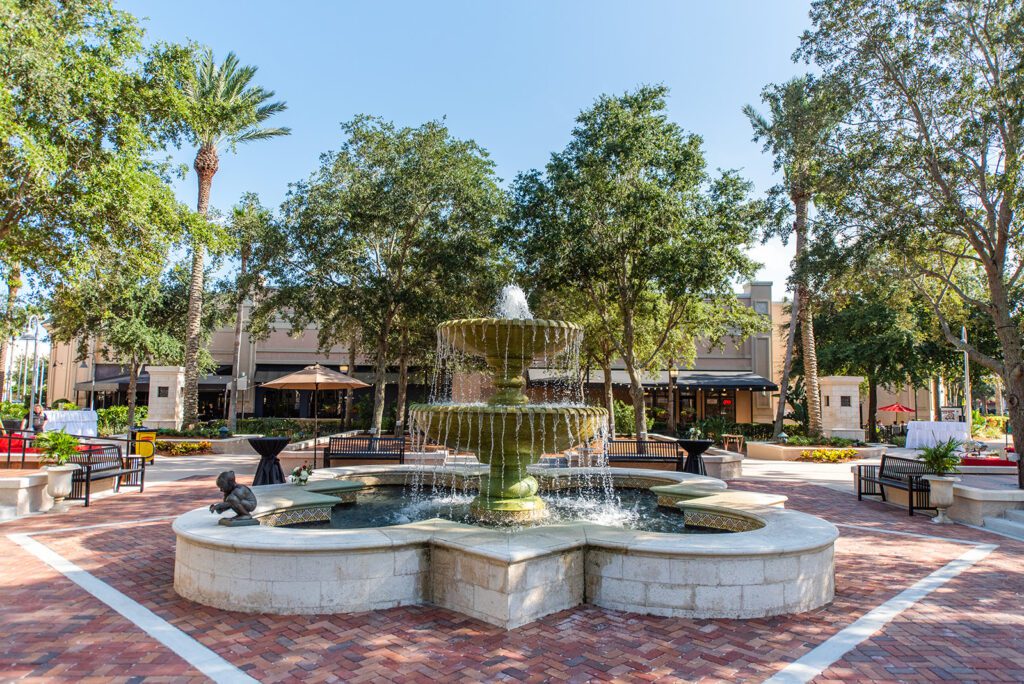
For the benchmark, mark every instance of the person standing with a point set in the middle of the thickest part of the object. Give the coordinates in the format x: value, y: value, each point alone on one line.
x: 38, y: 420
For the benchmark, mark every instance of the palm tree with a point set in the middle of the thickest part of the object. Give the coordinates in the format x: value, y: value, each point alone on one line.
x: 804, y: 113
x: 225, y: 109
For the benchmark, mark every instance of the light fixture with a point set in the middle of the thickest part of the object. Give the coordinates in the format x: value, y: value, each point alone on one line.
x: 673, y: 372
x: 343, y: 368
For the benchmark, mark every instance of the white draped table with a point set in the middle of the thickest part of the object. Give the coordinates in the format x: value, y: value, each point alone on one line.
x: 927, y: 433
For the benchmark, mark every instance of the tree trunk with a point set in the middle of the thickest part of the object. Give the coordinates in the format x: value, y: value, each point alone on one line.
x: 787, y: 364
x: 13, y: 286
x: 808, y: 350
x: 1013, y: 363
x: 872, y: 409
x: 236, y: 356
x: 609, y: 398
x: 349, y: 393
x: 379, y: 377
x: 403, y: 385
x: 636, y: 393
x: 936, y: 399
x: 133, y: 387
x: 205, y: 164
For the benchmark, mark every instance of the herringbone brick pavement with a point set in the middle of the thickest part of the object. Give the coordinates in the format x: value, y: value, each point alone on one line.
x: 969, y: 630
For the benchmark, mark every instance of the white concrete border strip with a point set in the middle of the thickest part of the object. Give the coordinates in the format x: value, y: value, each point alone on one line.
x: 845, y: 640
x: 191, y: 651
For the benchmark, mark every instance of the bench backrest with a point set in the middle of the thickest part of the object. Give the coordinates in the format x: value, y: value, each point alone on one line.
x: 99, y: 456
x: 378, y: 446
x: 635, y: 449
x: 895, y: 467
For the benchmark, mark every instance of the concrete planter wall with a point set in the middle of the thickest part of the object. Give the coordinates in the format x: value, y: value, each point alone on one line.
x: 767, y: 451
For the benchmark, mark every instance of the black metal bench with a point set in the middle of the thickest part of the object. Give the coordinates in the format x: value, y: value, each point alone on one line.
x: 898, y: 473
x: 101, y: 462
x: 364, y: 448
x: 642, y: 451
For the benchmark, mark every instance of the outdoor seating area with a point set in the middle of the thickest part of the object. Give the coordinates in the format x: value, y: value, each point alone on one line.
x: 364, y: 450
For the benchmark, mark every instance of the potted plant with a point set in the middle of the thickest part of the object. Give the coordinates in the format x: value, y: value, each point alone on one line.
x: 57, y: 449
x: 941, y: 460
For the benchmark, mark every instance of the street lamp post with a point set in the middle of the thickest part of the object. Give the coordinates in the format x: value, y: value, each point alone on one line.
x: 969, y: 414
x: 33, y: 324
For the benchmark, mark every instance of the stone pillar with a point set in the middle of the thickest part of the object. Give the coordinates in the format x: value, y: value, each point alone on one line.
x: 166, y: 384
x: 840, y: 406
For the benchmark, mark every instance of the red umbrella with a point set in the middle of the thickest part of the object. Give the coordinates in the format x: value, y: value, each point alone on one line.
x: 896, y: 408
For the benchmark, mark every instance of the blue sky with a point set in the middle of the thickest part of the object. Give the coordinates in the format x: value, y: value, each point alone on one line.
x: 511, y: 75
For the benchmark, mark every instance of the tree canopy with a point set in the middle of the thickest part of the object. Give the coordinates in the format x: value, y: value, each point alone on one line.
x: 932, y: 153
x: 394, y: 233
x: 628, y: 215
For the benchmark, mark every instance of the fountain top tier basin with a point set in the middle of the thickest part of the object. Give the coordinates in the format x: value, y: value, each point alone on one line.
x: 509, y: 338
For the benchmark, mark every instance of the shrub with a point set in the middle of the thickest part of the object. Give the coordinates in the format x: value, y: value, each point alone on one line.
x: 183, y: 448
x: 754, y: 431
x: 11, y: 411
x: 840, y: 442
x: 210, y: 430
x: 625, y: 422
x: 296, y: 428
x: 114, y: 419
x: 714, y: 427
x: 899, y: 440
x: 828, y: 455
x: 64, y: 405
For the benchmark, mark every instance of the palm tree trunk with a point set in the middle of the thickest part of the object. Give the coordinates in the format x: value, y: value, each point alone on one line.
x: 808, y: 350
x: 236, y: 355
x: 205, y: 164
x: 787, y: 365
x: 13, y: 286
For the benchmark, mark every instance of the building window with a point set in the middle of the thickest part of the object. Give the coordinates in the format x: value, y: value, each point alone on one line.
x: 720, y: 402
x: 162, y: 392
x: 826, y: 400
x: 761, y: 307
x: 844, y: 400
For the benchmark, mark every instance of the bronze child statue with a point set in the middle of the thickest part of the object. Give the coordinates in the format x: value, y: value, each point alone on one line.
x: 237, y: 498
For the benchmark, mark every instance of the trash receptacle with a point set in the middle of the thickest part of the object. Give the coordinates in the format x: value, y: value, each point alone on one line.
x: 143, y: 442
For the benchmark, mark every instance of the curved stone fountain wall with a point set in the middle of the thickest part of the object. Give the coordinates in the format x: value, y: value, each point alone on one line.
x: 783, y: 563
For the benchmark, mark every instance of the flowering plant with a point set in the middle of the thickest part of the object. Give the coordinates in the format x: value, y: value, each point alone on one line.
x: 301, y: 473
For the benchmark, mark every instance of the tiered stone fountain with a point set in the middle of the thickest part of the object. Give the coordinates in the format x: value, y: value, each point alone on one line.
x: 508, y: 433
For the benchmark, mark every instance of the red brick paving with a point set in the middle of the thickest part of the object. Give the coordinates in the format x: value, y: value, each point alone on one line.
x: 965, y: 631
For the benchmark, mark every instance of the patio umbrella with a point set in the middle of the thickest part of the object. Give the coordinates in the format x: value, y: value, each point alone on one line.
x: 896, y: 408
x: 315, y: 378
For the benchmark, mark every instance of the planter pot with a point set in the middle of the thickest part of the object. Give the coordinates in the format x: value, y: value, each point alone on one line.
x: 941, y: 495
x: 58, y: 480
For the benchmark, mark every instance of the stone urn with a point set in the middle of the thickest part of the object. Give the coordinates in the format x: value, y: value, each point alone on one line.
x: 941, y: 495
x: 58, y: 480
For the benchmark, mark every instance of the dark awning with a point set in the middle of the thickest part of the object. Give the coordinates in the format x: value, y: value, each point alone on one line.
x: 119, y: 382
x: 686, y: 379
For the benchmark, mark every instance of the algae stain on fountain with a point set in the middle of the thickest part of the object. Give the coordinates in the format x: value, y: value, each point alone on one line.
x: 507, y: 432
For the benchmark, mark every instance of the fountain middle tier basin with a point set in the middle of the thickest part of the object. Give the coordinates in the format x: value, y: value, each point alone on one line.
x: 508, y: 439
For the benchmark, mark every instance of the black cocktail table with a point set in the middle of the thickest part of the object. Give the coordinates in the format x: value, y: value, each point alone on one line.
x: 694, y: 455
x: 269, y: 469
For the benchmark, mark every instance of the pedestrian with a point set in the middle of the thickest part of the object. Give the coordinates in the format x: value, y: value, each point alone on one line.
x: 38, y: 420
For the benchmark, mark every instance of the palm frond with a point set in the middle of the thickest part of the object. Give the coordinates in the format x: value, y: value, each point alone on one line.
x: 226, y: 106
